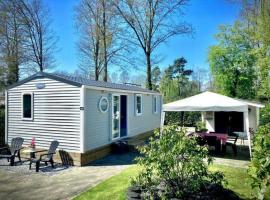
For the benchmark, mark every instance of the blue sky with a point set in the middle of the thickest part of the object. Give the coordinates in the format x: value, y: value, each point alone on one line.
x: 204, y: 15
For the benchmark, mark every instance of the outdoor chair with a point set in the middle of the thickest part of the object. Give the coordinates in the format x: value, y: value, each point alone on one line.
x: 13, y: 151
x: 201, y: 141
x: 47, y: 157
x: 232, y: 142
x: 211, y: 141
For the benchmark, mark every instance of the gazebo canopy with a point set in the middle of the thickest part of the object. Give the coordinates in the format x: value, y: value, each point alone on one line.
x: 209, y: 101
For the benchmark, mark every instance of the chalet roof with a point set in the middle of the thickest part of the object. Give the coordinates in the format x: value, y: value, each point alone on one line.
x: 79, y: 81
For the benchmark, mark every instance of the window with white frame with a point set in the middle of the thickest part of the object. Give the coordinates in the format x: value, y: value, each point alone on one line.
x: 155, y: 104
x: 27, y: 106
x: 138, y: 104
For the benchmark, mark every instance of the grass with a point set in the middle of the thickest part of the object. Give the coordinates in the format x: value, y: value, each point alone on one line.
x: 113, y: 188
x: 116, y: 186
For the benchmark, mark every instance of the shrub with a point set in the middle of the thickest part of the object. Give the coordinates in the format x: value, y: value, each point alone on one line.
x: 265, y: 115
x: 174, y: 166
x: 201, y: 126
x: 259, y: 169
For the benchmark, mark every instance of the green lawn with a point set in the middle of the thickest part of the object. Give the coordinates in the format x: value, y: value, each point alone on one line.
x: 115, y: 187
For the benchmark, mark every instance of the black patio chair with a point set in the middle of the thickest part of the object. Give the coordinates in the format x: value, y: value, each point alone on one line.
x: 200, y: 140
x: 47, y: 157
x: 13, y: 151
x: 232, y: 142
x: 211, y: 141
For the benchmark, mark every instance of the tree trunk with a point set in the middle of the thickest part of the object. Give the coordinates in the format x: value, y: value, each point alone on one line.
x: 96, y: 73
x: 105, y: 78
x: 97, y: 59
x: 13, y: 73
x: 235, y: 84
x: 149, y: 74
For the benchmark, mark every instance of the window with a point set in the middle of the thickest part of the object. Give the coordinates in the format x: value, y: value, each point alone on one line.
x: 27, y: 106
x: 155, y: 104
x: 103, y: 104
x: 138, y: 104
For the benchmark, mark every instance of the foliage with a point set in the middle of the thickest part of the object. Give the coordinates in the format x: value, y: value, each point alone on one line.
x: 187, y: 119
x: 150, y: 24
x: 116, y: 186
x: 232, y: 62
x: 2, y: 126
x: 174, y: 165
x: 27, y: 42
x: 259, y: 169
x: 265, y: 115
x: 177, y: 72
x: 156, y: 76
x: 201, y: 126
x: 101, y: 44
x: 263, y: 22
x: 255, y: 18
x: 262, y: 51
x: 175, y: 83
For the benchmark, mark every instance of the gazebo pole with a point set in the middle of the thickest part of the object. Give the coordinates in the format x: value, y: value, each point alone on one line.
x: 247, y: 131
x: 162, y: 119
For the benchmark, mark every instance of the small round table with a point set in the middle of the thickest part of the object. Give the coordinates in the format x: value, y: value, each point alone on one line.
x: 31, y: 151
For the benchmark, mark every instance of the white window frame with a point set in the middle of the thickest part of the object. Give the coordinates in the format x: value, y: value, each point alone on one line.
x: 32, y: 105
x: 138, y: 114
x: 155, y: 104
x: 100, y: 102
x: 119, y: 123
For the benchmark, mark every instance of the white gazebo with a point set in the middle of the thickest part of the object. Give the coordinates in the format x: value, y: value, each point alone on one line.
x: 209, y: 103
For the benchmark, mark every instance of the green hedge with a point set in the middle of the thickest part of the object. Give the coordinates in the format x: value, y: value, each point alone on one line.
x: 259, y: 168
x: 188, y: 119
x: 2, y: 126
x: 265, y: 115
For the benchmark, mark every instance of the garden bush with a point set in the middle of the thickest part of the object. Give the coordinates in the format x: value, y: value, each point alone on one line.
x: 259, y: 169
x: 201, y: 126
x: 175, y: 166
x: 265, y: 115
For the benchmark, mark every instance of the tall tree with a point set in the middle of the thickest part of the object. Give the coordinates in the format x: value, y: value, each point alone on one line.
x: 175, y: 83
x: 152, y: 22
x: 156, y: 77
x: 256, y: 16
x: 200, y: 76
x: 41, y: 43
x: 232, y: 62
x: 11, y: 41
x: 99, y: 42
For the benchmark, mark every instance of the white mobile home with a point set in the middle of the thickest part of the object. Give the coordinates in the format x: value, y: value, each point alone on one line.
x: 85, y: 116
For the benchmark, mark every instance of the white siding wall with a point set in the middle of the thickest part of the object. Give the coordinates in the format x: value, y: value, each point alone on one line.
x: 252, y: 115
x: 148, y: 120
x: 56, y: 114
x: 98, y: 125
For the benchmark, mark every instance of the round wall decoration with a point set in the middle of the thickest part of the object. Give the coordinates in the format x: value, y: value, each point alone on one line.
x: 103, y: 104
